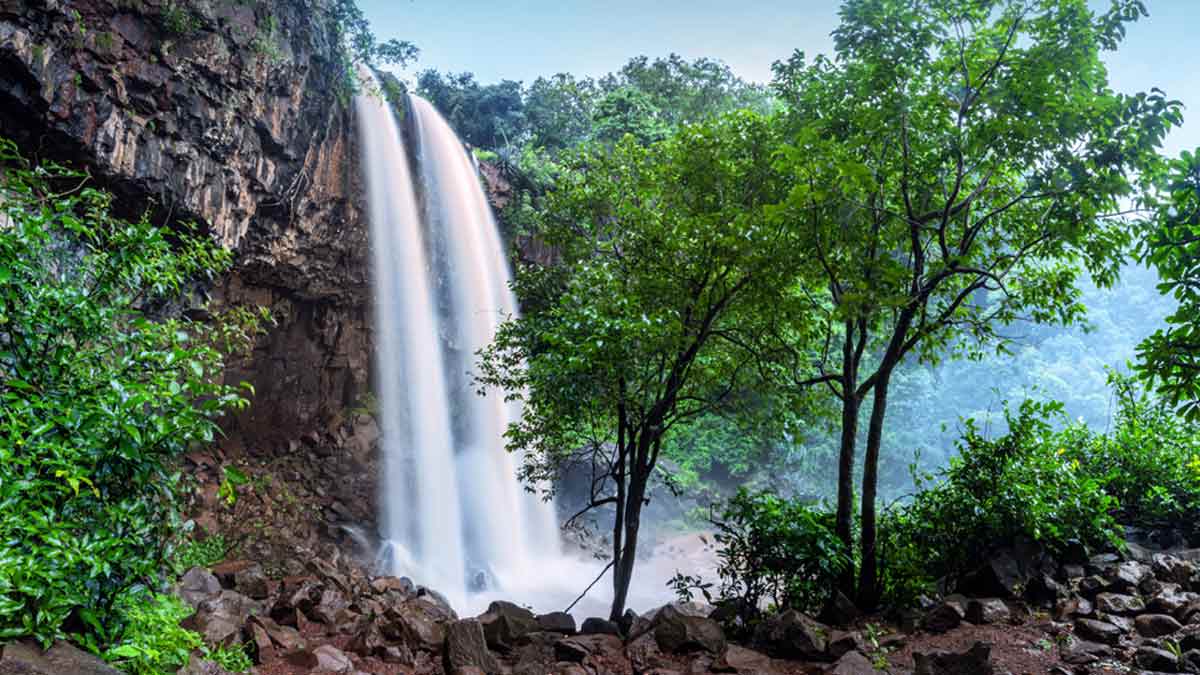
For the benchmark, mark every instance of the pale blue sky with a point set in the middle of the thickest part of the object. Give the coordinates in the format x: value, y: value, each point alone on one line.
x: 522, y: 39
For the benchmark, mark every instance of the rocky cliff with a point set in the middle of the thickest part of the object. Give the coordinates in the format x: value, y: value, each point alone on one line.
x: 234, y: 115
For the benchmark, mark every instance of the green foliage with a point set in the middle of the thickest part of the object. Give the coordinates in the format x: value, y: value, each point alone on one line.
x: 486, y: 116
x: 179, y: 20
x: 1171, y: 357
x: 151, y: 641
x: 628, y: 111
x: 232, y: 658
x: 1149, y: 462
x: 101, y: 388
x: 199, y: 553
x: 1023, y: 485
x: 231, y: 479
x: 359, y: 47
x: 778, y: 550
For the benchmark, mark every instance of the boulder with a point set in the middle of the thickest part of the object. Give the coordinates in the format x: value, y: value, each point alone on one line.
x: 1128, y: 576
x: 945, y: 616
x: 219, y: 619
x: 1153, y: 658
x: 853, y: 663
x: 1083, y: 652
x: 676, y: 632
x: 467, y: 648
x: 63, y: 658
x: 742, y: 660
x: 793, y: 635
x: 975, y: 661
x: 330, y: 659
x: 576, y: 648
x: 1156, y: 625
x: 1001, y: 575
x: 557, y: 622
x: 402, y: 585
x: 594, y: 625
x: 417, y: 622
x: 1171, y: 569
x: 197, y: 584
x: 504, y: 623
x: 987, y: 610
x: 227, y: 571
x: 252, y: 582
x: 1117, y: 603
x: 1098, y: 631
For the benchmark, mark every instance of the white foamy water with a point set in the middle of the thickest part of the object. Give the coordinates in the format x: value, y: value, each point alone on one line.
x: 454, y: 515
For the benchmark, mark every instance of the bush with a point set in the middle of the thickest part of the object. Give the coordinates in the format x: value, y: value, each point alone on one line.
x: 1149, y: 462
x: 101, y: 388
x: 778, y: 551
x: 1022, y: 485
x: 152, y: 642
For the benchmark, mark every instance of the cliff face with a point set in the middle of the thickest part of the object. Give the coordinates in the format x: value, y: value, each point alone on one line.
x: 226, y: 113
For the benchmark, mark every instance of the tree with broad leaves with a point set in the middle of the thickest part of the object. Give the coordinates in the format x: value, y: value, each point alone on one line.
x: 958, y: 168
x: 664, y: 252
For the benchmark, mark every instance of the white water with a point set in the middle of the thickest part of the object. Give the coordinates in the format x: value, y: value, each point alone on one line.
x: 454, y: 516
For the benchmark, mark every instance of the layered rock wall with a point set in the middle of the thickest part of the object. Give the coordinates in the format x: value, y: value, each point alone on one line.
x: 231, y: 114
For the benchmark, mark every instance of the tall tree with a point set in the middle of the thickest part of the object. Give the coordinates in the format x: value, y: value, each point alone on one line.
x: 663, y: 252
x: 959, y: 167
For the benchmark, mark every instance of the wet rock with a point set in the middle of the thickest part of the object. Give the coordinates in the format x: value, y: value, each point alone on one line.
x: 1090, y: 586
x: 793, y: 635
x: 842, y: 642
x: 1156, y: 625
x: 418, y: 623
x: 1044, y: 591
x: 577, y: 648
x: 676, y: 632
x: 1128, y: 576
x: 1098, y: 631
x: 1172, y: 569
x: 737, y: 659
x: 987, y: 610
x: 330, y: 659
x: 197, y: 585
x: 219, y: 619
x: 628, y: 619
x: 466, y: 647
x: 975, y: 661
x: 557, y: 622
x: 1116, y: 603
x: 401, y: 585
x: 842, y: 611
x: 594, y: 625
x: 1153, y: 658
x: 505, y: 623
x: 26, y: 658
x: 1002, y: 575
x: 252, y: 582
x: 853, y: 663
x: 1083, y: 652
x: 1071, y: 607
x: 944, y: 617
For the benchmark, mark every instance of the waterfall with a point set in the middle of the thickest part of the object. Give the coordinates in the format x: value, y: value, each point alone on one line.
x: 453, y: 514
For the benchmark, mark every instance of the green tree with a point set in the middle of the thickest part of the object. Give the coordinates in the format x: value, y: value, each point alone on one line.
x: 665, y: 253
x: 559, y: 110
x: 958, y: 168
x: 1171, y: 356
x: 628, y: 111
x: 687, y: 91
x: 102, y: 386
x: 486, y: 116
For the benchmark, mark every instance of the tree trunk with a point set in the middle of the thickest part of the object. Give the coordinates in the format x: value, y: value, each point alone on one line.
x: 845, y: 496
x: 868, y: 586
x: 623, y: 569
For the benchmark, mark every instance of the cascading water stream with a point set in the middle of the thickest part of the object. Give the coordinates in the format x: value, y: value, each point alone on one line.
x: 453, y: 516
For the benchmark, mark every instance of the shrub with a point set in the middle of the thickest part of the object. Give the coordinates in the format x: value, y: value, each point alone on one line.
x: 778, y: 551
x: 101, y: 388
x: 198, y: 553
x: 1022, y: 485
x: 151, y: 641
x: 1149, y: 462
